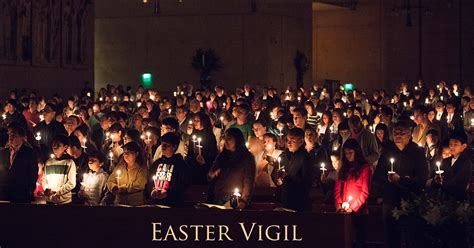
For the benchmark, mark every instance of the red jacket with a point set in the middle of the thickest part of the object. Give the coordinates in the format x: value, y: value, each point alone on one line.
x: 356, y: 188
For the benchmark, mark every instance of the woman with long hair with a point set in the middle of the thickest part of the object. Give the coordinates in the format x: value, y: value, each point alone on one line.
x: 128, y: 179
x: 233, y: 169
x: 202, y: 148
x: 382, y: 136
x: 352, y: 187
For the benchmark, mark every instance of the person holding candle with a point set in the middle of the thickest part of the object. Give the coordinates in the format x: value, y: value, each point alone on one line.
x: 81, y: 160
x: 201, y: 156
x: 329, y: 177
x: 318, y: 153
x: 295, y: 183
x: 266, y: 160
x: 87, y: 144
x: 169, y: 176
x: 382, y: 136
x: 18, y: 167
x: 408, y: 179
x: 456, y: 170
x: 59, y: 176
x: 128, y: 179
x: 233, y: 168
x: 48, y: 128
x: 93, y: 184
x: 352, y: 187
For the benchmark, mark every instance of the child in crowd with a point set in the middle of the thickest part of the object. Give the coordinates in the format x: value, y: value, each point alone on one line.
x: 93, y: 186
x: 59, y: 176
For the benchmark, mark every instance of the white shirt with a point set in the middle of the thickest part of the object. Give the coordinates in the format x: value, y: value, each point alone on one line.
x: 453, y: 160
x: 438, y: 115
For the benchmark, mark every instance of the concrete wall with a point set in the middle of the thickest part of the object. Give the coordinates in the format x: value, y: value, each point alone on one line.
x: 374, y: 49
x: 50, y: 79
x: 254, y: 47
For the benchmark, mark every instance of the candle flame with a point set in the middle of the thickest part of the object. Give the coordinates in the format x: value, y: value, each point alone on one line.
x: 349, y: 199
x: 51, y: 156
x: 392, y: 160
x: 199, y: 139
x: 118, y: 172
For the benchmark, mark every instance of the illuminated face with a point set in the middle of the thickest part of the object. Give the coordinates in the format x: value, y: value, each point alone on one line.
x: 59, y: 149
x: 259, y: 130
x: 167, y: 149
x: 129, y: 156
x: 94, y: 164
x: 269, y: 144
x: 299, y: 120
x: 456, y: 147
x: 293, y: 143
x: 335, y: 162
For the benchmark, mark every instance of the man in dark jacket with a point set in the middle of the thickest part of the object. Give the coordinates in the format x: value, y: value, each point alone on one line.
x: 49, y: 128
x: 401, y: 172
x: 12, y: 115
x: 170, y: 174
x: 18, y: 168
x: 295, y: 183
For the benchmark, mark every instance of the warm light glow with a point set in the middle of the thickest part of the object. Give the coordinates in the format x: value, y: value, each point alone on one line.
x: 111, y: 155
x: 392, y: 160
x: 51, y: 156
x: 118, y: 172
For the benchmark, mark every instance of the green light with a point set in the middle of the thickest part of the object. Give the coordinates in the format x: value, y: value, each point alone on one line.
x: 348, y: 87
x: 147, y: 79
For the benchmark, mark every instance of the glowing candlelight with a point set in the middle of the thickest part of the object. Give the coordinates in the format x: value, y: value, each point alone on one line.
x: 416, y: 87
x: 279, y: 163
x: 441, y: 98
x: 38, y: 136
x: 84, y: 177
x: 84, y: 141
x: 41, y: 117
x: 427, y: 101
x: 115, y: 98
x: 88, y: 94
x: 101, y: 99
x: 345, y: 205
x: 199, y: 145
x: 51, y: 155
x: 312, y: 93
x: 174, y: 93
x: 247, y: 144
x: 169, y: 111
x: 472, y: 122
x: 236, y: 193
x: 139, y: 104
x: 412, y: 117
x: 155, y: 181
x: 323, y: 167
x: 404, y: 104
x: 371, y: 129
x: 118, y: 178
x: 345, y: 114
x: 439, y: 171
x: 4, y: 116
x: 280, y: 133
x: 391, y: 166
x: 111, y: 158
x: 107, y: 135
x: 182, y: 92
x: 299, y: 99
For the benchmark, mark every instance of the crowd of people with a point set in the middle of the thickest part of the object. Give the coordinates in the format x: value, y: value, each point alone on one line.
x: 124, y: 147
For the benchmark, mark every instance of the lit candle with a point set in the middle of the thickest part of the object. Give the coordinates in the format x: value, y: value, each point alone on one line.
x: 155, y: 181
x: 323, y: 167
x: 441, y: 98
x: 38, y: 136
x: 107, y: 135
x: 371, y: 129
x: 280, y: 133
x: 194, y: 141
x: 247, y: 144
x: 299, y: 99
x: 169, y: 111
x: 118, y: 178
x: 223, y: 105
x: 237, y: 194
x: 84, y: 141
x: 472, y: 122
x: 41, y: 117
x: 416, y: 87
x: 139, y: 104
x: 115, y: 98
x: 182, y: 92
x: 4, y: 116
x: 404, y: 104
x: 279, y: 163
x: 439, y: 171
x: 101, y: 99
x: 345, y: 205
x: 427, y: 101
x: 51, y: 155
x: 111, y: 158
x: 174, y: 93
x: 391, y: 166
x: 88, y: 94
x: 84, y: 177
x: 199, y: 145
x: 412, y: 117
x: 222, y: 121
x: 312, y: 93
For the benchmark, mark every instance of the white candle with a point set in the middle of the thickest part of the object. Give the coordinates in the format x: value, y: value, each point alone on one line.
x: 4, y: 116
x: 155, y: 181
x: 118, y: 178
x: 38, y: 136
x: 247, y: 144
x: 41, y: 117
x: 84, y: 141
x: 174, y: 93
x: 194, y: 141
x: 139, y: 104
x: 391, y: 165
x: 439, y: 171
x: 51, y: 155
x: 472, y: 122
x: 280, y: 133
x: 279, y: 165
x: 237, y: 194
x: 115, y: 98
x: 101, y: 99
x: 88, y: 94
x: 323, y: 167
x: 199, y: 145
